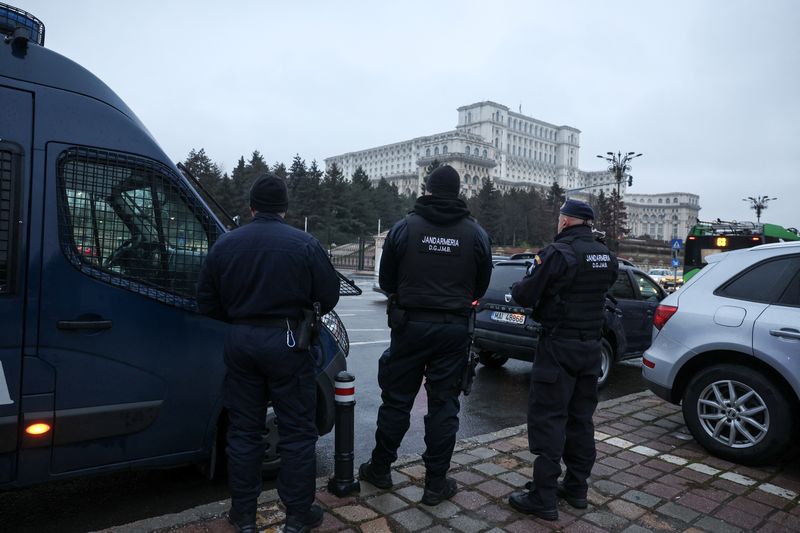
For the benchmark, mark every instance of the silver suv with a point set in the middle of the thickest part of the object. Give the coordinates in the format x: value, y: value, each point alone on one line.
x: 727, y: 345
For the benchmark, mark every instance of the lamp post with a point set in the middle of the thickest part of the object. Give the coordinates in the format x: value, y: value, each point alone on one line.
x: 619, y: 165
x: 758, y: 204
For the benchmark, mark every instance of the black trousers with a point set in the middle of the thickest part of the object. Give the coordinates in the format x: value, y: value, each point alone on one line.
x: 562, y: 400
x: 437, y: 352
x: 262, y: 368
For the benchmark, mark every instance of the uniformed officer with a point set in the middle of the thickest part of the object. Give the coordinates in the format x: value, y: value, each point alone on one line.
x: 259, y: 278
x: 566, y: 285
x: 435, y: 262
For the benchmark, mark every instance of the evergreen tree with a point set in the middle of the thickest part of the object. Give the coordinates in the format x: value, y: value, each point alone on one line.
x: 280, y: 170
x: 389, y: 205
x: 333, y: 192
x: 489, y: 209
x: 619, y: 221
x: 363, y: 215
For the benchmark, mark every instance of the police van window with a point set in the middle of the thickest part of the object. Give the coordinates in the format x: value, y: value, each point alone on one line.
x: 126, y: 220
x: 9, y: 180
x: 647, y: 289
x: 622, y: 288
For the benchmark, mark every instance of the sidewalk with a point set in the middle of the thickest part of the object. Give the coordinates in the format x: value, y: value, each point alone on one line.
x: 650, y: 476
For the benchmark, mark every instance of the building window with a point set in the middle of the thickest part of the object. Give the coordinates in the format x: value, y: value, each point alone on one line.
x: 466, y: 150
x: 485, y: 153
x: 444, y: 149
x: 428, y: 152
x: 436, y: 151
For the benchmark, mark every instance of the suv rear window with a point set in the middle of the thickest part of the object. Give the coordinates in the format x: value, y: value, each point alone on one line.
x: 764, y: 282
x: 504, y: 276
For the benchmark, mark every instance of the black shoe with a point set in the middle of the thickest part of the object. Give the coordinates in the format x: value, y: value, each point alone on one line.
x: 367, y: 473
x: 439, y: 490
x: 526, y: 502
x: 239, y: 525
x: 575, y: 501
x: 305, y: 522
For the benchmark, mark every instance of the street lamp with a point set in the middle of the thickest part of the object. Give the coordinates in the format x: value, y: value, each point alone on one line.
x: 619, y: 165
x: 758, y: 204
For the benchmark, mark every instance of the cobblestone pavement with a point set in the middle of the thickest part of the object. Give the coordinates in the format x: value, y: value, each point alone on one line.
x: 650, y: 475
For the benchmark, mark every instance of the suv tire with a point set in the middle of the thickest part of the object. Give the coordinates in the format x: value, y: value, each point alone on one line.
x: 761, y: 418
x: 491, y: 359
x: 606, y: 363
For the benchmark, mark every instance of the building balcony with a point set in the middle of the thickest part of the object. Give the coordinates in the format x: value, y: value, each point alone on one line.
x: 424, y: 161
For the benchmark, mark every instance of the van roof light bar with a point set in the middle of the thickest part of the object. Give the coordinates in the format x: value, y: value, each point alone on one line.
x: 13, y: 19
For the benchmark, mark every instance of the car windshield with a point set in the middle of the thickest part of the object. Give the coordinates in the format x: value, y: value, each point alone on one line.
x: 504, y: 276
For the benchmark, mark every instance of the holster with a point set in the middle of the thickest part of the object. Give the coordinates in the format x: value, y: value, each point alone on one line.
x: 396, y: 316
x: 468, y: 375
x: 308, y: 329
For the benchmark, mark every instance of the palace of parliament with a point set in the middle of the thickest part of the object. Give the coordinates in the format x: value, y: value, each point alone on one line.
x: 516, y: 151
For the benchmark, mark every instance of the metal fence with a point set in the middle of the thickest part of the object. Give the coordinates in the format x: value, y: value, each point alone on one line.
x: 354, y: 256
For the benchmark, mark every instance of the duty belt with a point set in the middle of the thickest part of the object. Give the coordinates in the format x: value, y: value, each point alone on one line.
x: 266, y: 322
x: 436, y: 317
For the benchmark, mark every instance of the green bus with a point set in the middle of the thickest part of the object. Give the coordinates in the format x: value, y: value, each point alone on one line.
x: 706, y: 238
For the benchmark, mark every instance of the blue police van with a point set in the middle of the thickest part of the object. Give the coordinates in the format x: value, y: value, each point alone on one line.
x: 105, y: 364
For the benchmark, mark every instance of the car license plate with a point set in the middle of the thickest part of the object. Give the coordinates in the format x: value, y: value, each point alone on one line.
x: 508, y: 318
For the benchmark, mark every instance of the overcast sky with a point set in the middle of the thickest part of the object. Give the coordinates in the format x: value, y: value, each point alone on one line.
x: 708, y: 91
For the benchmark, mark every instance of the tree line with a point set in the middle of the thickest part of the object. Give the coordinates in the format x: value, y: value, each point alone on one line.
x: 337, y: 210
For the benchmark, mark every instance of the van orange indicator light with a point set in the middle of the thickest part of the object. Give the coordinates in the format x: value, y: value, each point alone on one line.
x: 38, y: 428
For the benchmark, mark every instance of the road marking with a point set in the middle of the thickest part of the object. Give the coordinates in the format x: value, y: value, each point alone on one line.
x: 738, y: 479
x: 369, y: 342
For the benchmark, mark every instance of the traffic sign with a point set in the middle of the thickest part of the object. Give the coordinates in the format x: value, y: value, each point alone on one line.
x: 676, y: 244
x: 676, y: 262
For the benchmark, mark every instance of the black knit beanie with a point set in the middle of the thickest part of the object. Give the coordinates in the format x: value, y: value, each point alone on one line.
x: 444, y: 181
x: 269, y: 194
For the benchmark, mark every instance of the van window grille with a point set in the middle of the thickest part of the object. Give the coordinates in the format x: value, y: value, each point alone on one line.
x: 127, y: 221
x: 9, y: 168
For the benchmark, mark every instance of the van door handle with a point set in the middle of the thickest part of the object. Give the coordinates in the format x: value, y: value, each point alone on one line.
x: 73, y: 325
x: 786, y: 333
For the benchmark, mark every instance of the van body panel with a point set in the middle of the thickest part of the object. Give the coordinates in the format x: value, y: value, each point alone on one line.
x: 16, y: 132
x: 140, y: 358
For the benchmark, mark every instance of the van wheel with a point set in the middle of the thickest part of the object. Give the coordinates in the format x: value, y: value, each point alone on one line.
x: 606, y: 363
x: 491, y: 359
x: 738, y: 414
x: 216, y: 468
x: 272, y: 460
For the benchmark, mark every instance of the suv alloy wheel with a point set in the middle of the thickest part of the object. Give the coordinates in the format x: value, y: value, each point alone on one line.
x: 738, y: 413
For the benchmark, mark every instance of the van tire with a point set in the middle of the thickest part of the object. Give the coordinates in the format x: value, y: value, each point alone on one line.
x: 216, y: 468
x: 491, y: 359
x: 776, y: 414
x: 606, y: 363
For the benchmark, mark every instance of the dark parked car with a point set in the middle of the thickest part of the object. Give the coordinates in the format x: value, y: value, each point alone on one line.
x: 504, y: 329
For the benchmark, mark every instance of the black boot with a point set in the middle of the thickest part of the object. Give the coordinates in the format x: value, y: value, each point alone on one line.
x: 438, y: 489
x: 366, y: 472
x: 529, y: 503
x: 575, y: 501
x: 240, y: 524
x: 303, y: 523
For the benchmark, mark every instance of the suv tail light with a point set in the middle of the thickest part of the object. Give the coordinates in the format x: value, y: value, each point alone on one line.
x: 662, y: 315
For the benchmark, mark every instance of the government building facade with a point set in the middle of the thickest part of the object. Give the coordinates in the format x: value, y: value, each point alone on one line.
x: 514, y: 150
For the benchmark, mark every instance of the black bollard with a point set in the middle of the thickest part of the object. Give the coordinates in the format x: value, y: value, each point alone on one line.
x: 342, y: 483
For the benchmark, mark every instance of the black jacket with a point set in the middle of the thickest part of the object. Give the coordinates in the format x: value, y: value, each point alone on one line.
x: 266, y: 269
x: 449, y: 214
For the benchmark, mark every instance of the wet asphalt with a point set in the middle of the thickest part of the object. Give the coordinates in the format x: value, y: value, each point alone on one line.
x: 498, y: 400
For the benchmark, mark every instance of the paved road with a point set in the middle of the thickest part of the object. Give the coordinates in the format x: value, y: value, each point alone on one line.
x: 498, y: 400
